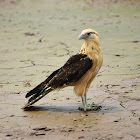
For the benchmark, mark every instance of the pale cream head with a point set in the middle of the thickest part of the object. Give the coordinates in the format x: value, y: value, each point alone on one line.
x: 88, y: 34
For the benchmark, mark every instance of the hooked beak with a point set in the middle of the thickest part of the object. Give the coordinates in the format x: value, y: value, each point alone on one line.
x: 81, y: 36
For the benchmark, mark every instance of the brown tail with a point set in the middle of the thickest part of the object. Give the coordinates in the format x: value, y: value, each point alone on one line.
x: 37, y: 97
x: 41, y: 86
x: 37, y: 89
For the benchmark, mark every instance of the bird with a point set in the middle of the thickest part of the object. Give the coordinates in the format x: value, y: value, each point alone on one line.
x: 78, y: 71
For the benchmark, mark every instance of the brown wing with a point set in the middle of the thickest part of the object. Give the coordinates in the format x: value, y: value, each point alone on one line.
x: 72, y: 71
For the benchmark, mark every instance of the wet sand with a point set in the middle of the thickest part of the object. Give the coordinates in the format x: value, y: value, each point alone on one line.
x: 37, y: 37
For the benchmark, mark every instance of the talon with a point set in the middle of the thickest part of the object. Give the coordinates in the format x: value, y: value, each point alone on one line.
x: 91, y: 107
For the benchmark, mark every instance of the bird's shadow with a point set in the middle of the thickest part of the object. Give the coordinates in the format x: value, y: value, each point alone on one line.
x: 72, y: 109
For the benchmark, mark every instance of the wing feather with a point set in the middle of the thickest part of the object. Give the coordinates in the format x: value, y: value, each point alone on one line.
x: 72, y: 71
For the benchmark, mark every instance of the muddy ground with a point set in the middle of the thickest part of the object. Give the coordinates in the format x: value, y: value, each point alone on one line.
x: 37, y: 37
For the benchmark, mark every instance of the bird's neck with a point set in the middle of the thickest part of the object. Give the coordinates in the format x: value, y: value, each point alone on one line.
x: 91, y: 46
x: 94, y: 42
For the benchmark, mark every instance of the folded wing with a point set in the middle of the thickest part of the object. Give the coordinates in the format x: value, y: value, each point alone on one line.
x: 72, y: 71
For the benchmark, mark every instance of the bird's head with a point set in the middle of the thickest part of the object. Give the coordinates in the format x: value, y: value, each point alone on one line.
x: 88, y: 35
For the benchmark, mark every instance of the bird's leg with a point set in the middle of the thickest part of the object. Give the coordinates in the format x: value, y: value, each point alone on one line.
x: 84, y: 101
x: 86, y: 107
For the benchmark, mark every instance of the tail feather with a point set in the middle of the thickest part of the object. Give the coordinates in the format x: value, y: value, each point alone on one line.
x: 41, y: 86
x: 37, y: 97
x: 37, y: 89
x: 45, y: 90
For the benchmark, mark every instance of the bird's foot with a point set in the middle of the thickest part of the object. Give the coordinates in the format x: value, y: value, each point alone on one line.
x: 92, y: 107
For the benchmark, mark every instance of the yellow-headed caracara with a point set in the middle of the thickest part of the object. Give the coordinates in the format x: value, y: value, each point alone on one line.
x: 79, y: 71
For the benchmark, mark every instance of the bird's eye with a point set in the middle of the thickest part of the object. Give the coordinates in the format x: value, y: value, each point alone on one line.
x: 88, y: 34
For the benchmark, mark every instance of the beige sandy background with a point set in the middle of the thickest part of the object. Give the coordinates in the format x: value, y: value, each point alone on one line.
x: 37, y: 37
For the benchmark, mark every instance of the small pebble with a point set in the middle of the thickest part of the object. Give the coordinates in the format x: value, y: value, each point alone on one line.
x: 8, y: 135
x: 81, y: 137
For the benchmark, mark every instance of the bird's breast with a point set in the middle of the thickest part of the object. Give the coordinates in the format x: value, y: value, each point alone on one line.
x: 95, y: 54
x: 97, y: 57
